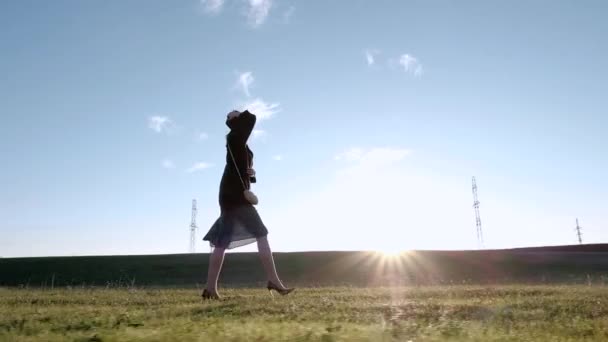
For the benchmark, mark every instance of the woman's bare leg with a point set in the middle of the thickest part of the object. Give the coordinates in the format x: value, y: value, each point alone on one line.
x: 268, y: 262
x: 216, y: 259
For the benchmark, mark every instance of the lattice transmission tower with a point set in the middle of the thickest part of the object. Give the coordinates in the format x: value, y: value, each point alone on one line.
x: 578, y: 233
x: 477, y: 216
x: 193, y: 228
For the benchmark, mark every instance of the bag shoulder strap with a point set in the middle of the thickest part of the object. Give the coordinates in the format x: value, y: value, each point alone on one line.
x: 236, y: 166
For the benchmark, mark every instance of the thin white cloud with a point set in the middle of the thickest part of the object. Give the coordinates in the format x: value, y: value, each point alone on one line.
x: 410, y: 64
x: 245, y: 81
x: 199, y: 166
x: 277, y: 157
x: 350, y: 155
x: 258, y: 133
x: 262, y: 109
x: 288, y: 14
x: 159, y: 123
x: 203, y: 136
x: 168, y: 164
x: 370, y: 56
x: 212, y: 6
x: 258, y: 11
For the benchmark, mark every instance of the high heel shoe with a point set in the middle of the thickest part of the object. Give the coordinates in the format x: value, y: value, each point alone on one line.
x: 208, y: 295
x: 283, y: 292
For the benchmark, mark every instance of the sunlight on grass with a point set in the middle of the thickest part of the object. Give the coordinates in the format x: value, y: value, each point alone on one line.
x: 448, y: 313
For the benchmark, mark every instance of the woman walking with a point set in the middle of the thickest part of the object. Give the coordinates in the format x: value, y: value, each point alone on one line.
x: 239, y: 223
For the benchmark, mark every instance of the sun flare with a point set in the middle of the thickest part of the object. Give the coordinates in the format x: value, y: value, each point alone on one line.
x: 391, y: 253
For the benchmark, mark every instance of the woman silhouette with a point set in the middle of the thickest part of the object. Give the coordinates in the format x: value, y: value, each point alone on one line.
x: 239, y: 223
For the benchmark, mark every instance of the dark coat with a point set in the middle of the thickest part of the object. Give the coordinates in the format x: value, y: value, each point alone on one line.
x: 231, y: 187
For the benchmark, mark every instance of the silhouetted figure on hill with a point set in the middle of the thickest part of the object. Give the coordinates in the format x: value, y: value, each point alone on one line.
x: 239, y: 223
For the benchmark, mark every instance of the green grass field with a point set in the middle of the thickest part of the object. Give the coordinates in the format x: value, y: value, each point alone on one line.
x: 434, y: 313
x: 539, y: 294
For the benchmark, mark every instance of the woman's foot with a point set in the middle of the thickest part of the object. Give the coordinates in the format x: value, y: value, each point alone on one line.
x: 210, y: 295
x: 282, y: 290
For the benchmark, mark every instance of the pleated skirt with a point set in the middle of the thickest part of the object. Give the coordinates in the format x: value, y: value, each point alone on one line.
x: 236, y: 227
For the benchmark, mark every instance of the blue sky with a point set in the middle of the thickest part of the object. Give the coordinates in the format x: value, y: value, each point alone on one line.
x: 374, y: 115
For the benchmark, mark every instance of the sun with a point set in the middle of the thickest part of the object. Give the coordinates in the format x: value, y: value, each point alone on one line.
x: 391, y: 252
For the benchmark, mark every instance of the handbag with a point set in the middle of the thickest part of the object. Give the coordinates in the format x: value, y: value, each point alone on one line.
x: 249, y: 195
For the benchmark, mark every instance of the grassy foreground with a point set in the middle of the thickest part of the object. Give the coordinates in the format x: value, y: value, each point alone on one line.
x: 451, y: 313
